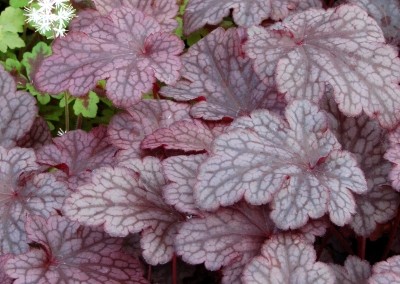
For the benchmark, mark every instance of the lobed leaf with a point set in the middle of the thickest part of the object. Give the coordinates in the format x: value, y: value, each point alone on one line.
x: 4, y: 278
x: 38, y: 136
x: 127, y: 47
x: 245, y: 13
x: 216, y: 69
x: 183, y: 135
x: 17, y: 111
x: 386, y: 271
x: 393, y: 155
x: 164, y: 11
x: 287, y: 259
x: 368, y: 142
x: 78, y: 153
x: 129, y: 200
x: 386, y: 13
x: 354, y: 271
x: 340, y: 47
x: 181, y: 171
x: 69, y: 253
x: 11, y: 23
x: 228, y: 238
x: 128, y: 129
x: 297, y: 164
x: 40, y: 195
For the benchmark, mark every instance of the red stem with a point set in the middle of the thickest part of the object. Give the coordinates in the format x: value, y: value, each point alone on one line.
x: 156, y: 88
x: 174, y: 274
x: 361, y: 245
x: 149, y: 273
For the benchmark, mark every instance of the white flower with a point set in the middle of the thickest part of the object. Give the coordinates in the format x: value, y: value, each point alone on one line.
x: 50, y: 16
x: 61, y: 132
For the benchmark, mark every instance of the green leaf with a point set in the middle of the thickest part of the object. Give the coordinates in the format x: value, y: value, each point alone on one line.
x: 43, y: 98
x: 87, y: 106
x: 179, y: 29
x: 18, y: 3
x: 12, y: 65
x: 39, y: 51
x: 196, y: 36
x: 11, y: 23
x: 62, y: 100
x: 182, y: 7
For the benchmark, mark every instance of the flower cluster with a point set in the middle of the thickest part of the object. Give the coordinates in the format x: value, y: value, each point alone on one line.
x: 50, y: 17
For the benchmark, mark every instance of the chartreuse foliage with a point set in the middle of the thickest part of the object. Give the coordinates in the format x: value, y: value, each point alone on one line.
x: 202, y: 141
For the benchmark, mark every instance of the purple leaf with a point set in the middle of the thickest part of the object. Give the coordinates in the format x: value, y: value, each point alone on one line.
x: 355, y: 271
x: 287, y: 259
x: 245, y: 13
x: 4, y: 278
x: 368, y: 142
x: 386, y: 13
x: 70, y: 253
x: 38, y: 136
x: 40, y: 195
x: 183, y: 135
x: 342, y: 47
x: 216, y: 69
x: 296, y: 163
x: 229, y: 237
x: 128, y: 48
x: 393, y: 155
x: 181, y: 171
x: 129, y: 201
x: 17, y: 111
x: 128, y: 129
x: 78, y: 153
x: 164, y: 11
x: 386, y: 271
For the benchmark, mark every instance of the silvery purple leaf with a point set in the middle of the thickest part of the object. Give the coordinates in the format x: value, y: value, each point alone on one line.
x: 245, y: 13
x: 186, y: 135
x: 129, y: 200
x: 296, y: 163
x: 77, y: 153
x: 386, y: 271
x: 287, y: 259
x: 393, y: 155
x: 41, y: 195
x: 127, y: 129
x: 38, y: 136
x: 364, y: 138
x: 127, y: 47
x: 181, y: 171
x: 354, y: 271
x: 341, y: 47
x: 386, y: 13
x: 164, y: 11
x: 17, y: 111
x: 216, y: 69
x: 4, y: 278
x: 70, y: 253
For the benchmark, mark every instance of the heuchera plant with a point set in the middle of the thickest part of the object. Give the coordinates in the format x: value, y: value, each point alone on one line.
x: 253, y: 141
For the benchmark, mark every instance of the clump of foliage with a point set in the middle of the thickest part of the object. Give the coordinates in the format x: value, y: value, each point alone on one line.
x: 202, y: 141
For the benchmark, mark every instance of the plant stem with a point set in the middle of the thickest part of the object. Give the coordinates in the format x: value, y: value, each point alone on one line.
x: 361, y: 245
x: 156, y: 88
x: 174, y: 278
x: 149, y: 273
x: 66, y: 98
x: 79, y: 122
x: 392, y: 235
